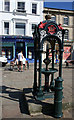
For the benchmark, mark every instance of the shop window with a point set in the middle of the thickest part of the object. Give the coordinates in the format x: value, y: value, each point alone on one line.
x: 34, y: 8
x: 66, y: 20
x: 7, y: 52
x: 30, y: 52
x: 6, y: 27
x: 7, y: 5
x: 21, y: 6
x: 3, y: 53
x: 66, y: 36
x: 53, y: 18
x: 20, y: 28
x: 67, y: 53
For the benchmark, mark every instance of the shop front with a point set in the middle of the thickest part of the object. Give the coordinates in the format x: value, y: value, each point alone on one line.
x: 30, y: 51
x: 20, y: 46
x: 8, y: 50
x: 11, y: 45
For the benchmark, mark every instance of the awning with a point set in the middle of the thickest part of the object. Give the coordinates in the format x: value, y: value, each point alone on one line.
x: 16, y: 39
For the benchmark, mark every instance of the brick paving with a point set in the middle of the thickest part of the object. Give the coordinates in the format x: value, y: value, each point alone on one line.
x: 13, y: 82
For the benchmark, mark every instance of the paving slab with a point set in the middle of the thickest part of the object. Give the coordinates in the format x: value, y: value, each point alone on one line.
x: 13, y: 103
x: 34, y: 106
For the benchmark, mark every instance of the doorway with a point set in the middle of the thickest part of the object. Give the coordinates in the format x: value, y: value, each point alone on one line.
x: 20, y: 46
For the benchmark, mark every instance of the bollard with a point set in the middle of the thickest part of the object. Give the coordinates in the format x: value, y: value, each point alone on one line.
x: 58, y: 98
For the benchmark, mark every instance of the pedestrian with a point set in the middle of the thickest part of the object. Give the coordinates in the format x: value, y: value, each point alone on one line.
x: 24, y: 62
x: 20, y: 61
x: 13, y: 62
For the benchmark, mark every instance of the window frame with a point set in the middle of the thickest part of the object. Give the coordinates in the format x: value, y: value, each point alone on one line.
x: 53, y: 16
x: 32, y: 29
x: 64, y: 21
x: 33, y: 9
x: 7, y: 5
x: 20, y: 28
x: 66, y: 35
x: 4, y: 28
x: 22, y: 7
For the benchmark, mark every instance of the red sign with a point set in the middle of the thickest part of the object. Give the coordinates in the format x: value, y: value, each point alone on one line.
x: 60, y: 27
x: 66, y: 53
x: 42, y: 25
x: 51, y: 29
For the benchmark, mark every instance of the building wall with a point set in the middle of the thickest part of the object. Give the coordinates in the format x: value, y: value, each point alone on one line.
x: 60, y: 14
x: 13, y: 17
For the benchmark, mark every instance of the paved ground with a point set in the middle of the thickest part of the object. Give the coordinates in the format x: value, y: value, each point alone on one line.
x: 13, y: 82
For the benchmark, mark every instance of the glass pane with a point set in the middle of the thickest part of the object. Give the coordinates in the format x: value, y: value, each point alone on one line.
x: 6, y: 31
x: 6, y: 25
x: 34, y: 8
x: 53, y: 18
x: 66, y: 20
x: 33, y: 26
x: 21, y: 5
x: 66, y: 35
x: 20, y: 25
x: 7, y: 2
x: 20, y: 31
x: 7, y: 6
x: 33, y: 11
x: 20, y: 28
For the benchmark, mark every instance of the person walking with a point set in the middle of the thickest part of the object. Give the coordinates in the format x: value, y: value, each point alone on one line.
x: 20, y: 61
x: 13, y: 62
x: 24, y: 62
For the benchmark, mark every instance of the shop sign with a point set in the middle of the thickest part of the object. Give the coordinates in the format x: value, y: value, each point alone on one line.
x: 66, y: 53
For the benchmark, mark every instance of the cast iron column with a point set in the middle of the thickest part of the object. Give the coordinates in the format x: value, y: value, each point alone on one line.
x: 46, y: 61
x: 58, y: 98
x: 40, y: 93
x: 35, y: 75
x: 61, y: 54
x: 35, y: 59
x: 52, y: 75
x: 58, y: 85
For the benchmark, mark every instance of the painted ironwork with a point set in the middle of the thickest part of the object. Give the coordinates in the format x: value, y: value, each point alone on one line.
x: 51, y: 32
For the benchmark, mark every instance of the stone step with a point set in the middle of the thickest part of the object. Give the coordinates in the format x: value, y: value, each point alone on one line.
x: 34, y: 106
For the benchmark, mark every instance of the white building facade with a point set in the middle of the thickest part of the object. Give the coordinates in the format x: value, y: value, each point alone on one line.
x: 18, y: 17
